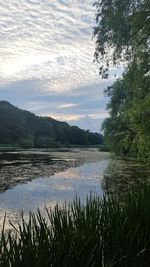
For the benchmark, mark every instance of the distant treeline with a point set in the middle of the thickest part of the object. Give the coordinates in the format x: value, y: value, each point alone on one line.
x: 23, y: 128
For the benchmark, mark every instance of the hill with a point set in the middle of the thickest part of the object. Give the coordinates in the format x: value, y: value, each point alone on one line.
x: 23, y: 128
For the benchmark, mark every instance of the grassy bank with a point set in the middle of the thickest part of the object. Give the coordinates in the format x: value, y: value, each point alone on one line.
x: 101, y: 233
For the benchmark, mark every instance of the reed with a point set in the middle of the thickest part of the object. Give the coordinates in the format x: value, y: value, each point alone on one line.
x: 103, y: 232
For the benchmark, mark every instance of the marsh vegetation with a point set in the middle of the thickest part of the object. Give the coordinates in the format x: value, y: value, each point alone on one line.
x: 102, y: 232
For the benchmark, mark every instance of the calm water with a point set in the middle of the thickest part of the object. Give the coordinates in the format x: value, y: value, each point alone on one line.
x: 32, y: 179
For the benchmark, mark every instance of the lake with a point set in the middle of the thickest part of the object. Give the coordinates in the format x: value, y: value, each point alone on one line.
x: 31, y: 179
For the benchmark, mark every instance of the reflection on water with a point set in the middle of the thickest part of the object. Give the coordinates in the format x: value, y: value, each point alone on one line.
x: 32, y: 179
x: 59, y: 187
x: 124, y: 174
x: 17, y: 168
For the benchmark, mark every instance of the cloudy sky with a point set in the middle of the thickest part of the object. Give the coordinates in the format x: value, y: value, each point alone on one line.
x: 46, y: 60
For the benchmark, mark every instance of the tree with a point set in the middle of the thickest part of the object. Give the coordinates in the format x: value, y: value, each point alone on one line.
x: 118, y: 129
x: 122, y: 31
x: 27, y: 141
x: 123, y: 28
x: 20, y: 127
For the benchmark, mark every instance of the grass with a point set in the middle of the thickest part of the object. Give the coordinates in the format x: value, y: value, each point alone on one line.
x: 101, y: 233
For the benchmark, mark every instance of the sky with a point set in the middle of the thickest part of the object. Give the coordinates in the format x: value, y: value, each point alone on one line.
x: 46, y: 60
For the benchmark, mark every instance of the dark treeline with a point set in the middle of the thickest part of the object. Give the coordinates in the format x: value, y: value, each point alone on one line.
x: 123, y: 27
x: 23, y: 128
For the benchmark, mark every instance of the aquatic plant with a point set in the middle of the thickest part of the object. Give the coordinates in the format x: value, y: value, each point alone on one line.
x: 103, y: 232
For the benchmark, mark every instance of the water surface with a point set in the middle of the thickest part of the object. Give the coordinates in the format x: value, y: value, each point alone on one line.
x: 33, y: 179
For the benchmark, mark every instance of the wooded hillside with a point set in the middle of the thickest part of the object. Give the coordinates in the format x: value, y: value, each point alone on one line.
x: 23, y: 128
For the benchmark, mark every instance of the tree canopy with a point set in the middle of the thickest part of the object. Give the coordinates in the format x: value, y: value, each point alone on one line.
x: 122, y: 31
x: 123, y: 35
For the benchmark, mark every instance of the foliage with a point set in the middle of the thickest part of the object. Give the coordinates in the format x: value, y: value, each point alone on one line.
x: 27, y: 141
x: 102, y: 232
x: 123, y: 28
x: 23, y: 128
x: 122, y: 31
x: 127, y: 129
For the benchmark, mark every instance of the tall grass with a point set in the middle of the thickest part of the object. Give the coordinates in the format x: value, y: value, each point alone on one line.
x: 101, y: 233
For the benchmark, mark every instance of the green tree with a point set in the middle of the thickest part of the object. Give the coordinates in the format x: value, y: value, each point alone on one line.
x: 122, y: 32
x: 122, y: 35
x: 27, y: 141
x: 20, y: 127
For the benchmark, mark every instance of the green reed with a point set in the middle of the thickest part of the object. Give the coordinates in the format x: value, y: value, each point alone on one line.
x: 103, y: 232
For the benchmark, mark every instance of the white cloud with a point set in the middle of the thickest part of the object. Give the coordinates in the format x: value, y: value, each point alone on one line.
x: 65, y: 117
x: 46, y: 58
x: 41, y: 39
x: 66, y: 105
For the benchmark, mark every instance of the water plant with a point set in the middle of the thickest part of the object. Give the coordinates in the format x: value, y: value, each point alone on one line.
x: 103, y: 232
